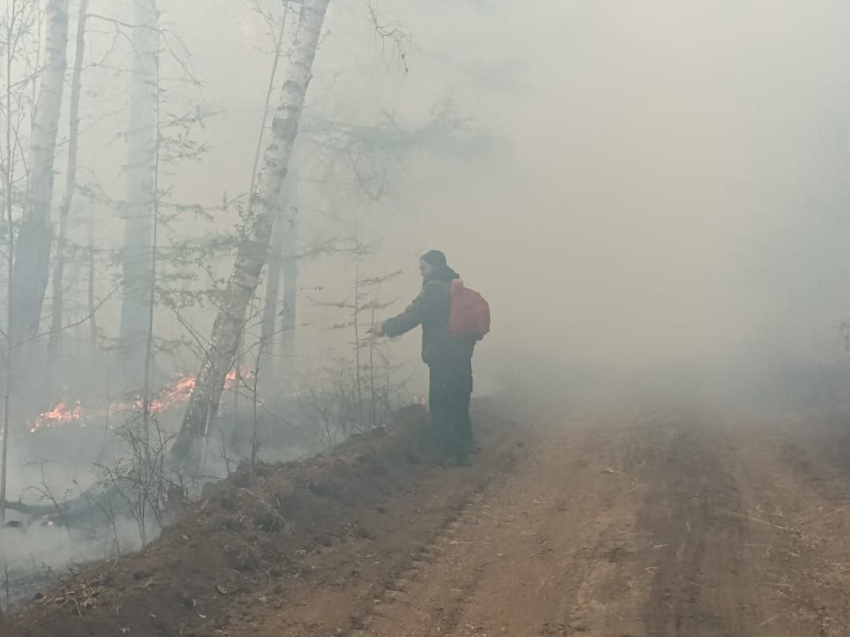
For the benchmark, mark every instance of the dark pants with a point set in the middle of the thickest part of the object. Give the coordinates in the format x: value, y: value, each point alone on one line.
x: 449, y: 396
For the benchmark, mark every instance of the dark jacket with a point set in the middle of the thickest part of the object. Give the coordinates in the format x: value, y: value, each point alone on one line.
x: 431, y: 310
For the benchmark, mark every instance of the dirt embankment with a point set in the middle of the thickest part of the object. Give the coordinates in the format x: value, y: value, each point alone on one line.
x: 356, y: 514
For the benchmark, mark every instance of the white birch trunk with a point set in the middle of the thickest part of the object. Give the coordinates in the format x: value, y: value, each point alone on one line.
x: 282, y: 253
x: 271, y: 309
x: 32, y: 254
x: 54, y: 344
x: 287, y: 359
x: 254, y: 244
x: 137, y: 253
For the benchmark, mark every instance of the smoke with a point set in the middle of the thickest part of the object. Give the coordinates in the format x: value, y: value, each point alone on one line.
x: 37, y: 558
x: 38, y: 549
x: 653, y: 199
x: 678, y: 192
x: 663, y: 184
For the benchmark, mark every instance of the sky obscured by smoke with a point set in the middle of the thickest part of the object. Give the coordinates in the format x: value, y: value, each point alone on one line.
x: 680, y: 179
x: 667, y: 181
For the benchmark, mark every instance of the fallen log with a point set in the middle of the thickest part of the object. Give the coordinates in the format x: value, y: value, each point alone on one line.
x: 94, y: 506
x: 29, y: 509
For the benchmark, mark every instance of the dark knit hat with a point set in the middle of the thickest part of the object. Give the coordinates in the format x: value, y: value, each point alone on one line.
x: 435, y: 258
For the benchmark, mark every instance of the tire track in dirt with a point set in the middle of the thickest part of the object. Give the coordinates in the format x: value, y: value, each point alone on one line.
x: 341, y: 584
x: 802, y: 502
x: 550, y: 552
x: 401, y: 592
x: 694, y: 516
x: 754, y: 536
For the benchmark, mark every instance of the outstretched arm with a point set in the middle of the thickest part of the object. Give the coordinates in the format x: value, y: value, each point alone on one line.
x: 414, y: 315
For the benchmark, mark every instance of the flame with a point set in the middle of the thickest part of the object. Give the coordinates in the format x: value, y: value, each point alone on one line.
x: 177, y: 393
x: 60, y: 415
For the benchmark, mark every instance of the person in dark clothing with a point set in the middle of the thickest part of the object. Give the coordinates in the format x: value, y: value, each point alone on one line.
x: 449, y: 358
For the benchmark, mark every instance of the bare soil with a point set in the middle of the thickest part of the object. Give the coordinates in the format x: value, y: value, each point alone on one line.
x: 670, y: 524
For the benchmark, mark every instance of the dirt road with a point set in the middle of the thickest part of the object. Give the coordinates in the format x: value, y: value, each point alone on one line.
x: 672, y: 526
x: 669, y: 525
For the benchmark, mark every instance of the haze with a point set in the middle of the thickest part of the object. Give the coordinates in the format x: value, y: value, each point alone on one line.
x: 637, y: 188
x: 666, y: 185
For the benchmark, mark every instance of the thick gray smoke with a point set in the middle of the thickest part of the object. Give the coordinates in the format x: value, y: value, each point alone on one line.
x: 652, y: 196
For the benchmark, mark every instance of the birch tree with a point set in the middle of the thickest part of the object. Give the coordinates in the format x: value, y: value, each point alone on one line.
x: 137, y: 254
x: 32, y: 254
x: 282, y: 268
x: 255, y: 232
x: 289, y: 265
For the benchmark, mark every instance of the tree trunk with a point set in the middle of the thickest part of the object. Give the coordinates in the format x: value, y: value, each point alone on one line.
x: 137, y: 254
x: 54, y: 345
x: 284, y: 227
x: 32, y: 254
x: 265, y: 360
x: 258, y: 227
x: 270, y: 309
x: 4, y: 450
x: 90, y: 293
x: 290, y: 298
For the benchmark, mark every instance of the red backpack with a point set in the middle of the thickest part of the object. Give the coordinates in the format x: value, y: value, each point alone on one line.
x: 470, y: 313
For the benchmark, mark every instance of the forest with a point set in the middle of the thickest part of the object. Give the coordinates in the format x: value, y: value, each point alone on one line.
x: 153, y: 292
x: 207, y: 204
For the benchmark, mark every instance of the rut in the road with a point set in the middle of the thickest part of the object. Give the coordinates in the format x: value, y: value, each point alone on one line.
x: 532, y: 554
x: 693, y: 511
x: 617, y: 529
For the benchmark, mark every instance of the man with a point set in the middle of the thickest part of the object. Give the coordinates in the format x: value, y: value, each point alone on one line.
x: 448, y: 357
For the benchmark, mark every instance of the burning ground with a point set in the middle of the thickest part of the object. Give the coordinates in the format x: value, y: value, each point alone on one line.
x: 75, y: 486
x: 174, y: 395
